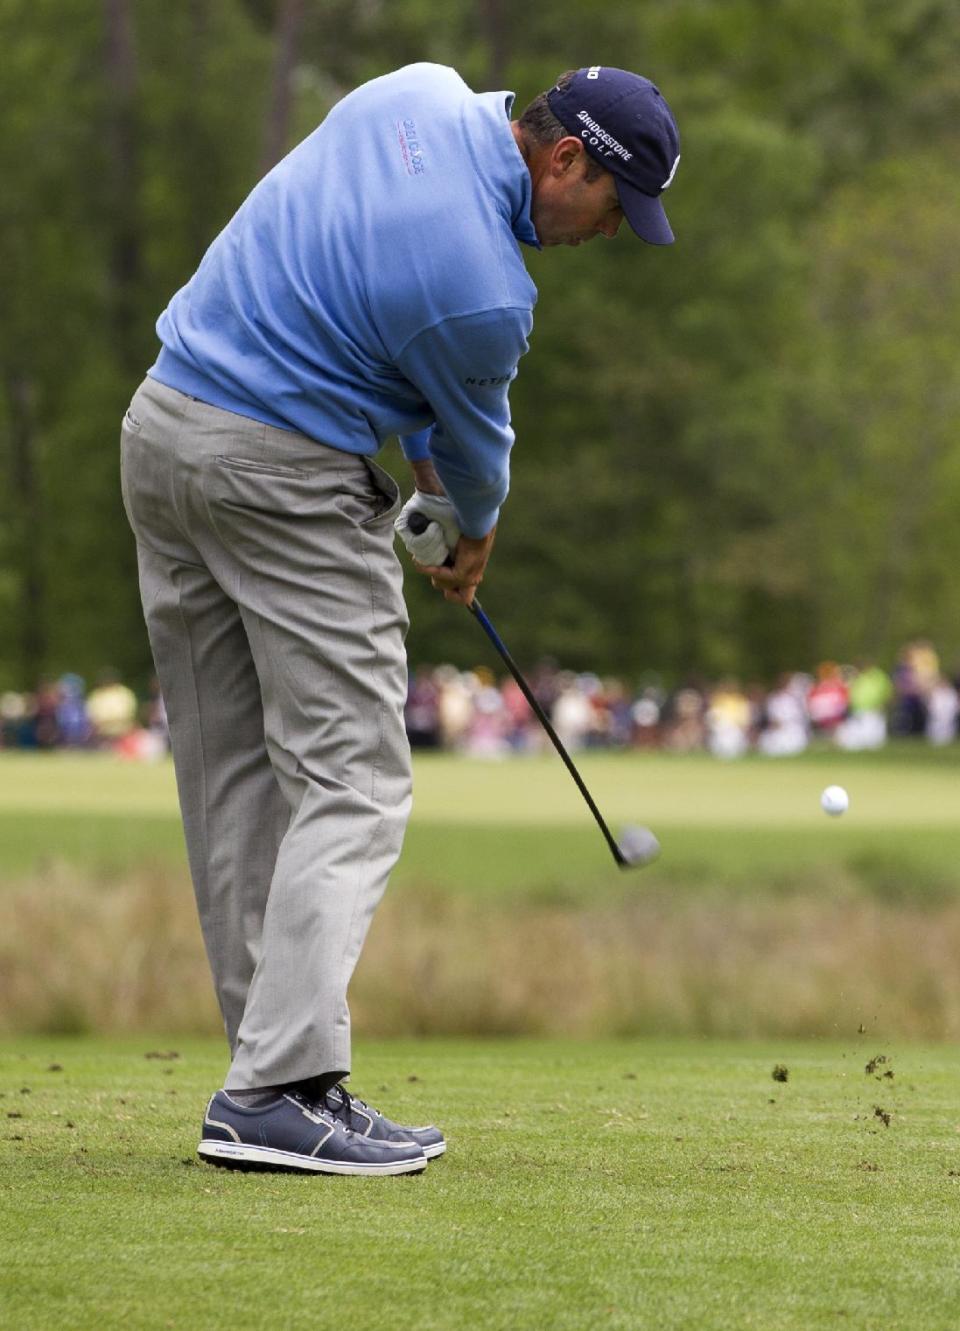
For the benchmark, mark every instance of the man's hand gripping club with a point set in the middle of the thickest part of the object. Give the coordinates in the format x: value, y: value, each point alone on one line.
x: 454, y: 563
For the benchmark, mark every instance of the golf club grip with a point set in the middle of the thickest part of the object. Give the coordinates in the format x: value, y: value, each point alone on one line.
x: 478, y: 612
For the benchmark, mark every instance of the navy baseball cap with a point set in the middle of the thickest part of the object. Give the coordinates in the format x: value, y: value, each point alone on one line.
x: 625, y: 125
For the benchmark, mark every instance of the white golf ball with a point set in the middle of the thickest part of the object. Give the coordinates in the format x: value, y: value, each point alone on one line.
x: 835, y: 801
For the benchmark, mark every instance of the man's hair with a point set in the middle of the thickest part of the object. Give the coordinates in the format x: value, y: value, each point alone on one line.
x: 540, y: 127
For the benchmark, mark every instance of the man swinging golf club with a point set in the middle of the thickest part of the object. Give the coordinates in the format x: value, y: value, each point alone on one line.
x: 371, y: 285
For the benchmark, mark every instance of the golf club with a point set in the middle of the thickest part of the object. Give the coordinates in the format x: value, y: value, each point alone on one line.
x: 637, y: 846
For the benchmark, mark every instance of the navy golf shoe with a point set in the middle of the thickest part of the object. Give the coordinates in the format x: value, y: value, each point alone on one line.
x: 356, y: 1114
x: 293, y: 1133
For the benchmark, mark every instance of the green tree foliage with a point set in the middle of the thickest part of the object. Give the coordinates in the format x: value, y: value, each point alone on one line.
x: 884, y: 457
x: 735, y: 455
x: 121, y: 159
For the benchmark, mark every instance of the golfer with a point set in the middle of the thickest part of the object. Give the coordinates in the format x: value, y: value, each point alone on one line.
x: 371, y: 285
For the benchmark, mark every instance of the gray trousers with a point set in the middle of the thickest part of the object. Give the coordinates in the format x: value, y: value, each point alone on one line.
x: 273, y: 601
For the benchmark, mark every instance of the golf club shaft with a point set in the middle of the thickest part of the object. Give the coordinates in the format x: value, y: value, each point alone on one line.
x: 419, y: 524
x: 479, y: 614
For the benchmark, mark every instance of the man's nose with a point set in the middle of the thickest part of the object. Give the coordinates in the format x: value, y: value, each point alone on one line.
x: 610, y: 229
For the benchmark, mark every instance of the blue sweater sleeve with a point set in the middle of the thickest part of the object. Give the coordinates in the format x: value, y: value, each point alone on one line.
x: 463, y: 366
x: 416, y: 447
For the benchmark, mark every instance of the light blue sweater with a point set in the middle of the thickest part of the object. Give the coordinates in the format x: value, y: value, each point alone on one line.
x: 372, y: 285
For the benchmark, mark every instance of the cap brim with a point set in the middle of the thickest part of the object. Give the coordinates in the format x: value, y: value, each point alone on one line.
x: 645, y: 214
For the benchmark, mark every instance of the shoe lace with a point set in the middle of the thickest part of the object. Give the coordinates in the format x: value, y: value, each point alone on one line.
x: 323, y: 1108
x: 346, y: 1103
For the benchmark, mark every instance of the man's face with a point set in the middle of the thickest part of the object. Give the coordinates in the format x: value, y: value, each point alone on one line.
x: 569, y: 209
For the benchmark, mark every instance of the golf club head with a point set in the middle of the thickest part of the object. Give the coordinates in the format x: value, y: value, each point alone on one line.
x: 638, y: 846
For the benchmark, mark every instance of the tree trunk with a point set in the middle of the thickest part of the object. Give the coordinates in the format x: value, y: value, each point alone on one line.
x: 200, y: 155
x: 495, y: 27
x: 686, y: 616
x: 27, y: 513
x: 125, y: 263
x: 288, y: 32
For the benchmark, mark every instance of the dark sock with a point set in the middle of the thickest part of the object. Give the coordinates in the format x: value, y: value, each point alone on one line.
x: 315, y: 1088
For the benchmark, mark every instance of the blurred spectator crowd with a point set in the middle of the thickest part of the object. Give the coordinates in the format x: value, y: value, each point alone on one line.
x: 62, y: 714
x: 853, y: 706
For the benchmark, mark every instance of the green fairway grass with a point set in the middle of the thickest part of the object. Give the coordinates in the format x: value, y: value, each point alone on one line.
x: 520, y: 825
x: 543, y: 861
x: 628, y: 1185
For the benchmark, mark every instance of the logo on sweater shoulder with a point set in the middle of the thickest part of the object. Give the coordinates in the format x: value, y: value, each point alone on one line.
x: 410, y: 149
x: 472, y: 382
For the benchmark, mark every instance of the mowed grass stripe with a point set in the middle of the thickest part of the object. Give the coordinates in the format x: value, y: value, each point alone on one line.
x: 695, y: 791
x: 542, y: 860
x: 657, y: 789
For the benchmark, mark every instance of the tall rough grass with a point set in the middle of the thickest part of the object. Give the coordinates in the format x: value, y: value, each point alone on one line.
x: 123, y: 955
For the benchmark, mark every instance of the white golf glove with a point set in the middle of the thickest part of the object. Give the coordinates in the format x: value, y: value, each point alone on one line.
x: 443, y: 531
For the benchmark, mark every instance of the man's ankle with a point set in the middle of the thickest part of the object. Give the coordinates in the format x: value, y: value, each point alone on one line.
x: 257, y: 1099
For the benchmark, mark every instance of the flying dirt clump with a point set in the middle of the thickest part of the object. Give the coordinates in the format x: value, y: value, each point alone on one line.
x: 780, y: 1072
x: 878, y: 1061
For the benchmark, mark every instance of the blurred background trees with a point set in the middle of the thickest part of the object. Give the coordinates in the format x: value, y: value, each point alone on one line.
x: 740, y: 454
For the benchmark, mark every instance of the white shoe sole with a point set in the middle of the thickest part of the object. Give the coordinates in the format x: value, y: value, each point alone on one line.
x: 438, y: 1149
x: 264, y: 1157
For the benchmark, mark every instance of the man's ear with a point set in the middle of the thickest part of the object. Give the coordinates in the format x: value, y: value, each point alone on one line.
x: 564, y: 155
